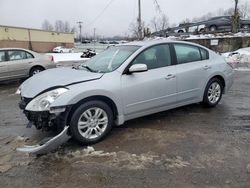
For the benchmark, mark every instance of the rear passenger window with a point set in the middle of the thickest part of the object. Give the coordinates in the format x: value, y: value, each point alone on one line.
x: 186, y: 53
x: 29, y: 56
x: 2, y: 56
x: 16, y: 55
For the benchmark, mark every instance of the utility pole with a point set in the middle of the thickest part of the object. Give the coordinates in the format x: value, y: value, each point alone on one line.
x: 139, y: 20
x: 80, y: 27
x: 94, y: 33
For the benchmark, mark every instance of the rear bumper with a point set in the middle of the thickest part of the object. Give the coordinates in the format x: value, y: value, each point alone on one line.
x: 229, y: 81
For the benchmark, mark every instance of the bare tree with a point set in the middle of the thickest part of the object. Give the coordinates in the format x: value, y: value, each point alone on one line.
x: 46, y: 25
x: 160, y: 23
x: 133, y: 28
x: 245, y: 10
x: 59, y: 26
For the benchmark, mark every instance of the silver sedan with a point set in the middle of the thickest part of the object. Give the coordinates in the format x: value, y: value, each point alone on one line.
x: 21, y: 63
x: 122, y: 83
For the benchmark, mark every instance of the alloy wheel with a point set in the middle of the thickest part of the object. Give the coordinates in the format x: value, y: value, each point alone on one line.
x: 92, y: 123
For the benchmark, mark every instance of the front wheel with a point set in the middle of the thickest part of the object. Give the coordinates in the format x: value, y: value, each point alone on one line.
x: 91, y: 122
x: 213, y: 93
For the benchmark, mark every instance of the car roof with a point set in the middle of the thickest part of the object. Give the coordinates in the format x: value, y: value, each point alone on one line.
x: 155, y: 42
x: 34, y: 53
x: 218, y: 17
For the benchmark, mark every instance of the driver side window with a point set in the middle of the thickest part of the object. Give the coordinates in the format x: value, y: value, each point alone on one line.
x: 155, y: 57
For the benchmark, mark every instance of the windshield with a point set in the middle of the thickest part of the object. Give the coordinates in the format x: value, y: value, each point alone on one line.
x: 110, y: 59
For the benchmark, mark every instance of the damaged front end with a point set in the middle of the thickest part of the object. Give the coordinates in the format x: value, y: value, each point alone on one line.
x: 39, y: 114
x: 54, y: 119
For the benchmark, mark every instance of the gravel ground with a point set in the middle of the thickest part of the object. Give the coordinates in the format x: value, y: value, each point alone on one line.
x: 187, y: 147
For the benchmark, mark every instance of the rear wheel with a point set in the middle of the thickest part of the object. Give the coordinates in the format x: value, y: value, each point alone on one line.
x: 213, y: 28
x: 246, y: 27
x: 213, y: 93
x: 36, y: 70
x: 91, y: 122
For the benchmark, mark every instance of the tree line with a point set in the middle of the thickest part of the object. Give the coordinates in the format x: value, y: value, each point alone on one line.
x: 59, y: 26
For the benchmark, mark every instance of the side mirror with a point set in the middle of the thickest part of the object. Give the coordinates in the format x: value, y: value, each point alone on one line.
x: 138, y: 68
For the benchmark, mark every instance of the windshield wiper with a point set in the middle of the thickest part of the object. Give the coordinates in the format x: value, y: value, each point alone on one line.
x: 88, y: 68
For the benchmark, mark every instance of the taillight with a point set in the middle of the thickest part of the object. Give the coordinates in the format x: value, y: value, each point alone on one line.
x: 52, y: 58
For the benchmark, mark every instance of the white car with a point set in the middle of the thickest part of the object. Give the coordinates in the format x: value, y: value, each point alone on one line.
x: 62, y: 49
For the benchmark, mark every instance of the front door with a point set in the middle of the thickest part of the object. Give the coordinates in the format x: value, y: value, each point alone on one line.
x: 153, y: 89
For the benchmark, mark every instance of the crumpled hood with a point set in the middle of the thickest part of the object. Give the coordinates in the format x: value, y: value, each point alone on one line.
x: 53, y: 78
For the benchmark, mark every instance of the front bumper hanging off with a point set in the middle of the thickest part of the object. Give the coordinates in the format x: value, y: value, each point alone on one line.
x: 46, y: 121
x: 48, y: 146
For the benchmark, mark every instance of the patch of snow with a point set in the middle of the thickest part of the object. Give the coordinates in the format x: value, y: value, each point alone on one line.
x: 239, y: 59
x: 61, y: 57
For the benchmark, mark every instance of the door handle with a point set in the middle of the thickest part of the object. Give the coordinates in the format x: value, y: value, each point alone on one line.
x: 170, y: 76
x: 206, y: 67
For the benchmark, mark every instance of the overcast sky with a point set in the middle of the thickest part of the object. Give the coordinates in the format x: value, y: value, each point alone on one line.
x: 115, y: 20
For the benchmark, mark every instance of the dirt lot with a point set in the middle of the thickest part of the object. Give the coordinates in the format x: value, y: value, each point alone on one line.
x: 186, y: 147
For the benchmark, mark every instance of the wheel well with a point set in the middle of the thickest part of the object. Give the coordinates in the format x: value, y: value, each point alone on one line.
x: 36, y: 66
x: 213, y: 26
x: 221, y: 79
x: 104, y: 99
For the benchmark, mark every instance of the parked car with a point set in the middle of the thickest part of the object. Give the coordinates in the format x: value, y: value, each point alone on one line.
x: 224, y: 23
x: 62, y: 49
x: 21, y: 63
x: 122, y: 83
x: 86, y: 41
x: 187, y: 28
x: 219, y: 23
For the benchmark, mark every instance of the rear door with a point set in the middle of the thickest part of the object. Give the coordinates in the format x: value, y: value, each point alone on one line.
x: 19, y: 62
x: 192, y: 71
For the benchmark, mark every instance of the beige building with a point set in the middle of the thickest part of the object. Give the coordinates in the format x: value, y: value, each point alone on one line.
x: 33, y: 39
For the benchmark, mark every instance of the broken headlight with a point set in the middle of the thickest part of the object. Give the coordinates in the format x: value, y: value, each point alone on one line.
x: 43, y: 101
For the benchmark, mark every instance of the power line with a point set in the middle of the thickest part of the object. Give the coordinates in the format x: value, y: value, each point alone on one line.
x: 100, y: 14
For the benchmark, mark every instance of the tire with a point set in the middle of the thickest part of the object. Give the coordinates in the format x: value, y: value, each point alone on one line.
x: 245, y: 26
x: 90, y: 131
x: 202, y: 31
x: 61, y: 51
x: 213, y: 93
x: 36, y: 70
x: 213, y: 28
